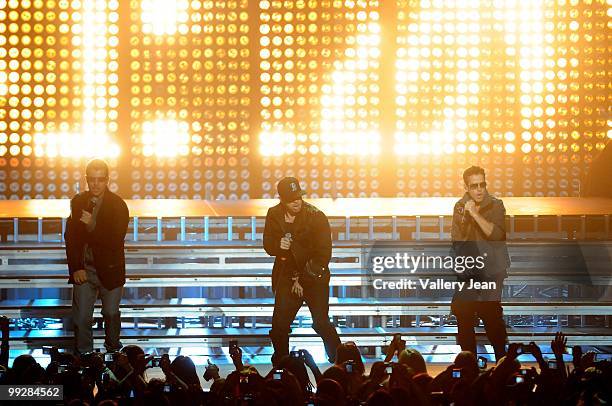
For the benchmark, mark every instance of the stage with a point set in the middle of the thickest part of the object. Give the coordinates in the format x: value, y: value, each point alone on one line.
x: 197, y: 275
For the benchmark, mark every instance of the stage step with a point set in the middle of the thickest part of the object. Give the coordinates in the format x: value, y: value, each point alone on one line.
x: 262, y: 307
x: 363, y: 337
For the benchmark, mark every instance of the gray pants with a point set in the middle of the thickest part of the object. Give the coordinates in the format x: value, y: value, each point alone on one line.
x: 84, y: 297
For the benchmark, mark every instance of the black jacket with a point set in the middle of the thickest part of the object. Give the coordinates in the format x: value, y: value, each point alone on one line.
x: 106, y: 240
x: 469, y: 239
x: 311, y: 238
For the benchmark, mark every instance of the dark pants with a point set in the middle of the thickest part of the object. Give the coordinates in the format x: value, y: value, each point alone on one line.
x: 492, y: 316
x: 286, y: 306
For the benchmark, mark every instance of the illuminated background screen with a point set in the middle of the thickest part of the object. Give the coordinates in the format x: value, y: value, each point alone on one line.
x: 220, y: 99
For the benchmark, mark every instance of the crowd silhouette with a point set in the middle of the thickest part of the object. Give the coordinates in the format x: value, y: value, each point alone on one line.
x: 401, y: 379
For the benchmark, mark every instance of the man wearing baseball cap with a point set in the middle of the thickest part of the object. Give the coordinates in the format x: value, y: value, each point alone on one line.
x: 298, y: 235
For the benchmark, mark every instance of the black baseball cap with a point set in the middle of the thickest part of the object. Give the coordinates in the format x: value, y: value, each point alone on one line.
x: 289, y: 189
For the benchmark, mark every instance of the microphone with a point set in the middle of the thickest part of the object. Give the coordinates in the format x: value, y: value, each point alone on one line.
x: 461, y: 210
x: 93, y: 202
x: 287, y: 235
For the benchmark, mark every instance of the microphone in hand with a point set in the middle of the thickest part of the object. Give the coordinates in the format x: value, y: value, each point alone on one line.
x: 461, y: 210
x: 93, y: 202
x: 286, y: 237
x: 87, y: 213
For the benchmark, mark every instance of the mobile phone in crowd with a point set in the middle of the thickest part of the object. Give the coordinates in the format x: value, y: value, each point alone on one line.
x: 277, y: 374
x: 233, y: 347
x: 482, y: 362
x: 349, y: 366
x: 552, y: 364
x: 388, y: 368
x: 154, y: 362
x: 519, y: 379
x: 295, y: 354
x: 456, y: 374
x: 109, y: 357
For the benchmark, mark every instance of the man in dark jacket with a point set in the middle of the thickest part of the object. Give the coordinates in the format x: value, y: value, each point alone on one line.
x: 479, y: 230
x: 95, y: 233
x: 298, y: 235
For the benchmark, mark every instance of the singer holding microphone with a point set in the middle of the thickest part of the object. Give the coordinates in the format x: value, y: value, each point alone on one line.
x: 479, y: 230
x: 95, y: 233
x: 299, y: 236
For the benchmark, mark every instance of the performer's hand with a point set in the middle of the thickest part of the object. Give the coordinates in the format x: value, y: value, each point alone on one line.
x: 86, y: 217
x: 297, y: 289
x: 285, y: 243
x: 289, y: 217
x: 80, y: 276
x: 471, y: 207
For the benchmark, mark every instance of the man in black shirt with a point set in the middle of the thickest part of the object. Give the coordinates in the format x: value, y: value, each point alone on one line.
x: 299, y: 236
x: 479, y: 230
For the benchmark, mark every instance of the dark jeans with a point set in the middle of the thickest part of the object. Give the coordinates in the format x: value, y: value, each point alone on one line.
x: 286, y: 306
x: 492, y: 316
x: 84, y: 297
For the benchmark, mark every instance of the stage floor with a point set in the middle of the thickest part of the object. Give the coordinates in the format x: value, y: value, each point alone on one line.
x: 343, y: 207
